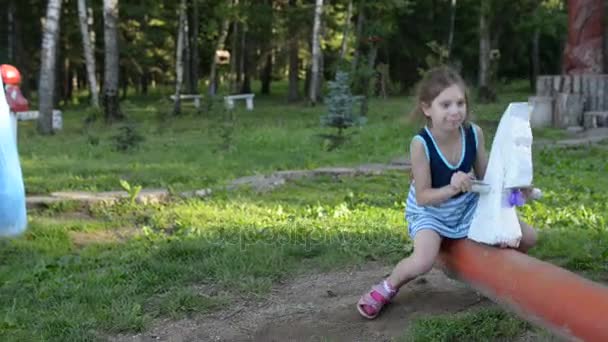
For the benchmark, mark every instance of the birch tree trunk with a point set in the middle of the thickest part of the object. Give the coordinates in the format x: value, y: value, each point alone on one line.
x: 220, y: 46
x: 346, y: 31
x: 186, y: 52
x: 111, y: 68
x: 316, y: 52
x: 48, y: 63
x: 179, y: 57
x: 452, y: 21
x: 89, y: 56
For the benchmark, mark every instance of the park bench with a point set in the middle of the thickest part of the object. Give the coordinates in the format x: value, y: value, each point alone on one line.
x: 34, y: 114
x: 229, y: 100
x: 195, y: 97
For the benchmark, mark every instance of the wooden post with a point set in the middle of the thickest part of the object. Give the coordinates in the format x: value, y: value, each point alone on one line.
x: 568, y: 110
x: 541, y: 293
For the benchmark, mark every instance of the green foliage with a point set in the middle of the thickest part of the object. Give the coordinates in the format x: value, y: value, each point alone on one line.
x: 54, y: 288
x: 128, y: 138
x: 483, y: 325
x: 342, y: 109
x: 132, y: 191
x: 438, y: 56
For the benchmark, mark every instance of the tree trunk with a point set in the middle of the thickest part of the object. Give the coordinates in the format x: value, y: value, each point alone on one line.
x: 535, y: 58
x: 67, y: 80
x: 88, y: 51
x: 485, y: 93
x: 346, y: 31
x: 111, y: 61
x: 11, y: 42
x: 234, y: 57
x: 241, y: 69
x: 605, y: 40
x: 245, y: 63
x: 294, y: 93
x: 48, y: 63
x: 194, y: 59
x: 220, y: 46
x: 179, y: 57
x: 316, y: 52
x: 358, y: 37
x: 583, y: 52
x: 452, y: 21
x: 367, y: 84
x: 267, y: 75
x: 186, y: 53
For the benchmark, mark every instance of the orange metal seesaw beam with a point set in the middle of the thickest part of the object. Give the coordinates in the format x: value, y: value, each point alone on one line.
x: 539, y: 292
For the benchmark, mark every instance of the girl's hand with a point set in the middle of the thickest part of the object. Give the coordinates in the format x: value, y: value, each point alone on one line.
x: 461, y: 182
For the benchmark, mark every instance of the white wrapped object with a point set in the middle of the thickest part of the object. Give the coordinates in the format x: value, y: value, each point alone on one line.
x: 495, y: 220
x: 13, y: 218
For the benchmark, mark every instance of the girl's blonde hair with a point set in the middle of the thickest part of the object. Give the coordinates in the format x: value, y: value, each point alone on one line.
x: 432, y: 84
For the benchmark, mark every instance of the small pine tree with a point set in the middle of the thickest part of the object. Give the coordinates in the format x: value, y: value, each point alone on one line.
x: 340, y: 104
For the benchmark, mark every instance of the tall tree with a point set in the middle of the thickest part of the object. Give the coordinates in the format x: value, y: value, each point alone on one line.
x: 346, y: 30
x: 358, y: 36
x: 221, y: 41
x: 48, y: 62
x: 485, y: 93
x: 111, y: 70
x: 451, y: 33
x: 179, y: 56
x: 234, y: 78
x: 316, y: 52
x: 194, y: 48
x: 89, y: 55
x: 293, y: 42
x: 11, y: 32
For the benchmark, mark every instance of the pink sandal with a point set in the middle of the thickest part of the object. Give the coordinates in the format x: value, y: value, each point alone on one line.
x: 372, y: 302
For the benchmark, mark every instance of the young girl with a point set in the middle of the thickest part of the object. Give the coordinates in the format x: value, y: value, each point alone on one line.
x: 446, y: 155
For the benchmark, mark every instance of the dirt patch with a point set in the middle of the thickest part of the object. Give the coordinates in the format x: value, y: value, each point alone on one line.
x: 321, y: 307
x: 82, y: 239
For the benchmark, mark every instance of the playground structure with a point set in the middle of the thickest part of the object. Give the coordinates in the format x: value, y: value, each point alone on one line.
x: 566, y: 304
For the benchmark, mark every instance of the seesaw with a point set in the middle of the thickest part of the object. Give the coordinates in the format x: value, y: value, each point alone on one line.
x: 566, y: 304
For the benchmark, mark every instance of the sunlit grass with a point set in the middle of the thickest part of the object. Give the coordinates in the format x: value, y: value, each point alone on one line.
x: 80, y: 273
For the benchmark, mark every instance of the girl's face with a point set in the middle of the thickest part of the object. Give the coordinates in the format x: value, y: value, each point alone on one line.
x: 448, y: 110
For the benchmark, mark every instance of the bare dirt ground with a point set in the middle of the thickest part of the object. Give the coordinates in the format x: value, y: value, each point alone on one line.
x: 321, y: 307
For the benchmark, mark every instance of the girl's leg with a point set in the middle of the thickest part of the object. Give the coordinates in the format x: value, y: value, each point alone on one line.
x: 528, y: 237
x: 426, y: 247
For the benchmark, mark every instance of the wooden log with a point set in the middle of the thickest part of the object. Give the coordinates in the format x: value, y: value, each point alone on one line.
x: 601, y: 89
x: 544, y: 85
x: 585, y: 85
x: 568, y: 110
x: 576, y: 84
x: 542, y: 111
x: 557, y: 84
x: 568, y: 305
x: 566, y: 84
x: 595, y: 119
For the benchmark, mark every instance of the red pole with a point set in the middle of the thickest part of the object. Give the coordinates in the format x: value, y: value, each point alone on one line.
x: 544, y: 294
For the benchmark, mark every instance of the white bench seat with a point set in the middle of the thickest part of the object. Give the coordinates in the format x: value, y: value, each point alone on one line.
x: 195, y: 97
x: 229, y: 100
x: 34, y: 114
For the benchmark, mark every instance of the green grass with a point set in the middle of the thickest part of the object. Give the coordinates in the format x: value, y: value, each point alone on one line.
x: 192, y: 256
x: 481, y: 325
x: 196, y: 151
